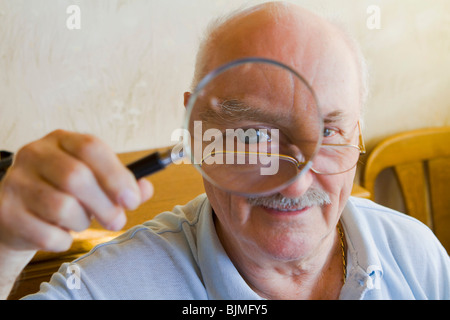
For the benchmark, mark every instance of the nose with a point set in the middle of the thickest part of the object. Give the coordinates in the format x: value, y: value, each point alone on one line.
x: 299, y: 186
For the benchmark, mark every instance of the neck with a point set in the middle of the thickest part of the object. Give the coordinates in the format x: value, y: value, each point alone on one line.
x: 319, y: 275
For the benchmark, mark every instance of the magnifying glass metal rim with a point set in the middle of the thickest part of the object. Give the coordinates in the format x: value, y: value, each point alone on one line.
x: 212, y: 75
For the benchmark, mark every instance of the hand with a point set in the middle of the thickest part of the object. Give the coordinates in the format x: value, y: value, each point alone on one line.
x: 60, y: 183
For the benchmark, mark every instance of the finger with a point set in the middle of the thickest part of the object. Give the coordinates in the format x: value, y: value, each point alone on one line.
x: 116, y: 180
x: 76, y: 179
x: 46, y: 236
x: 53, y: 206
x: 23, y: 230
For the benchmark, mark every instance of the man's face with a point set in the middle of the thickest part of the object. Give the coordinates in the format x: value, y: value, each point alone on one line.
x: 263, y: 227
x: 288, y: 232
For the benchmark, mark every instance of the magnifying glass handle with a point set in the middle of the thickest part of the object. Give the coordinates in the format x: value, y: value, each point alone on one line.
x: 6, y: 159
x: 140, y: 168
x: 147, y: 165
x: 150, y: 164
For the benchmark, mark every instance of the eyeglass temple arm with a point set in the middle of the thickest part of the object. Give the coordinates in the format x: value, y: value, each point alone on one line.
x: 362, y: 145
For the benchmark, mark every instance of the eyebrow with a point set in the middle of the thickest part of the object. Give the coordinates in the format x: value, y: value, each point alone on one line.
x: 334, y: 116
x: 232, y: 110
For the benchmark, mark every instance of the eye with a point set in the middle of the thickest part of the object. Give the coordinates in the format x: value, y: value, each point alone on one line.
x: 251, y: 136
x: 328, y: 132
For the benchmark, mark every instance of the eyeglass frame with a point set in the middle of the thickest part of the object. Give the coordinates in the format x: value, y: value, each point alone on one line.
x: 361, y: 147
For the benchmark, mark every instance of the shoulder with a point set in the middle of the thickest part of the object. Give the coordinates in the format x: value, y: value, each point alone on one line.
x: 170, y: 235
x: 396, y: 229
x: 375, y: 215
x: 141, y: 263
x: 168, y: 229
x: 407, y: 249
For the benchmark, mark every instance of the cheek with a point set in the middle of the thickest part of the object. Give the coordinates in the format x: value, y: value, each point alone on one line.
x: 339, y: 188
x: 230, y: 210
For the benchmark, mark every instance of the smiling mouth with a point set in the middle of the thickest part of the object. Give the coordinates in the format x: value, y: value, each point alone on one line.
x: 285, y: 209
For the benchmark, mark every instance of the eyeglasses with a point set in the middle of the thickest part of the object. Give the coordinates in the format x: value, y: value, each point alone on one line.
x: 245, y: 167
x: 333, y: 159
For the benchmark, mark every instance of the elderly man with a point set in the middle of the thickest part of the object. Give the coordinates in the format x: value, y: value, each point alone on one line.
x: 310, y: 240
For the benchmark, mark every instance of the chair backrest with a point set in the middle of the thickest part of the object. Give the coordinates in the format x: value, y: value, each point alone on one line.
x: 421, y: 162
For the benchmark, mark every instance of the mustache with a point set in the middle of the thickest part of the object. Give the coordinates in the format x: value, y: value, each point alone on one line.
x: 312, y: 197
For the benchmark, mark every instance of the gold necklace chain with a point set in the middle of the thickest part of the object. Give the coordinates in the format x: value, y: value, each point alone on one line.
x: 341, y: 240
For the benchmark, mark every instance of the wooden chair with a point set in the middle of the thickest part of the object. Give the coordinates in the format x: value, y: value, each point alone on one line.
x: 421, y: 163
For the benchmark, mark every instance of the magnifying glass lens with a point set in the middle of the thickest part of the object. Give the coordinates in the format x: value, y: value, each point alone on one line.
x: 254, y: 126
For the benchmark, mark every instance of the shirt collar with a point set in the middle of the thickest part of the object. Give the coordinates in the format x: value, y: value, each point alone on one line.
x: 364, y: 269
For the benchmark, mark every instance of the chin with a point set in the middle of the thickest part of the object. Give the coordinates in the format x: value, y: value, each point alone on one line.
x: 294, y: 238
x: 286, y: 246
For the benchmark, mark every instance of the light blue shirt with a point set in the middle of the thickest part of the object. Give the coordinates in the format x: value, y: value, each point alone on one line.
x: 178, y: 255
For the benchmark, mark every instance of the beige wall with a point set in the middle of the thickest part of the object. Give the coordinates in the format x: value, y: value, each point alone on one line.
x: 122, y: 75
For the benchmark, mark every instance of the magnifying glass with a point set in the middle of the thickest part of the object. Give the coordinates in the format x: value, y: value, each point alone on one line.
x: 252, y: 127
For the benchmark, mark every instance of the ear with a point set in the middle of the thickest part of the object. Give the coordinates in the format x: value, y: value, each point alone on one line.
x: 187, y: 96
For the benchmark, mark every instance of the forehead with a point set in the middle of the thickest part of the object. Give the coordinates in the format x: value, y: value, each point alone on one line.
x: 268, y: 93
x: 321, y: 55
x: 257, y: 90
